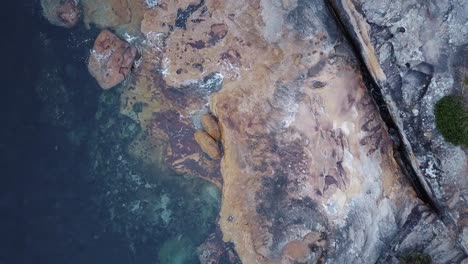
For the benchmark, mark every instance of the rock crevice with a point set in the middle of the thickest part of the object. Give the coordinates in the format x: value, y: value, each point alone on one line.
x: 418, y: 67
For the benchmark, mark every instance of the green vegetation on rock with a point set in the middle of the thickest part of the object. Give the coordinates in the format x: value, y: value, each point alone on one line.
x: 452, y: 120
x: 416, y: 258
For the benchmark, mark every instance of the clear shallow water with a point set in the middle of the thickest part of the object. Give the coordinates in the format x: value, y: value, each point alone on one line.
x: 69, y: 191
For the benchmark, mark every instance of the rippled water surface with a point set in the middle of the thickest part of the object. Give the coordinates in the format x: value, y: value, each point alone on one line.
x: 70, y: 192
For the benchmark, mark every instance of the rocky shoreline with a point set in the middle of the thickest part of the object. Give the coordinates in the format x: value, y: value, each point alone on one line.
x: 312, y: 169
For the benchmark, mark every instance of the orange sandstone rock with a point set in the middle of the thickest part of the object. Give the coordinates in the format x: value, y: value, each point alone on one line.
x: 296, y: 250
x: 207, y: 144
x: 111, y: 59
x: 211, y: 126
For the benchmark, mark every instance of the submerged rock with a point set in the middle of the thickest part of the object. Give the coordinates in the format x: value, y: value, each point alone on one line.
x: 109, y: 13
x: 215, y: 251
x: 63, y: 13
x: 119, y: 15
x: 111, y: 59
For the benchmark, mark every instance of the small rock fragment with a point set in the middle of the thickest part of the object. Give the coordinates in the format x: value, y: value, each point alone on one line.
x: 207, y: 144
x: 111, y: 59
x: 211, y: 126
x: 63, y: 13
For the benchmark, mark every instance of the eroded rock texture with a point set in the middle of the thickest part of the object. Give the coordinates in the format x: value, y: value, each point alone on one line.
x: 417, y: 53
x: 305, y: 148
x: 309, y: 171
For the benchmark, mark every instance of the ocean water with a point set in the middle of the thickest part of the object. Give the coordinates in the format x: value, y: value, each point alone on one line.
x: 69, y: 190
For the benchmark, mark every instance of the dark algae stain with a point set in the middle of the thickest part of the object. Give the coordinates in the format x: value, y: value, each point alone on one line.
x: 183, y: 15
x: 452, y: 119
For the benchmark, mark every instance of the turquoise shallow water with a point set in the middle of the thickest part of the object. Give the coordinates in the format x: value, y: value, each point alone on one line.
x: 70, y: 192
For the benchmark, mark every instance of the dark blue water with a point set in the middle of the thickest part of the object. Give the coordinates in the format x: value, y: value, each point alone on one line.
x: 69, y: 191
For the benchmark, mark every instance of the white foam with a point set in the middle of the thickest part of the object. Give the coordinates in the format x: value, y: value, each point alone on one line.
x: 151, y: 3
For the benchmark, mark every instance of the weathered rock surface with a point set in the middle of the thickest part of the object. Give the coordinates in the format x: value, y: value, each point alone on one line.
x: 111, y: 59
x: 63, y: 13
x: 305, y: 148
x: 417, y: 52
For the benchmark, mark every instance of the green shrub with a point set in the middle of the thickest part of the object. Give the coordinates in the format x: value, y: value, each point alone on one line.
x: 415, y: 258
x: 452, y: 120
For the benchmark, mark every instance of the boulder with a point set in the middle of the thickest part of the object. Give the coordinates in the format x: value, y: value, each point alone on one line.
x: 63, y: 13
x: 111, y: 59
x: 211, y: 126
x: 207, y: 144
